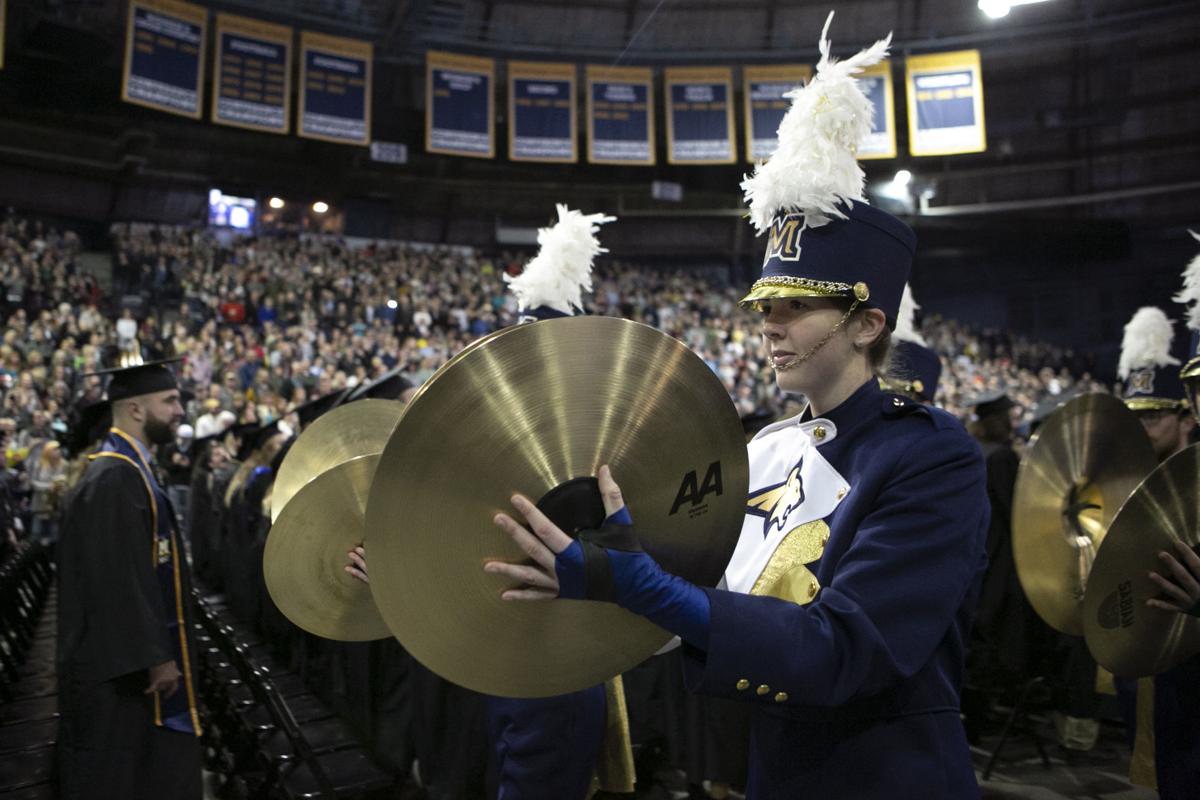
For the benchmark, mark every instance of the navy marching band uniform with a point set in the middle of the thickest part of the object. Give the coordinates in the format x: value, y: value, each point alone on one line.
x: 849, y: 597
x: 856, y: 693
x: 1161, y: 710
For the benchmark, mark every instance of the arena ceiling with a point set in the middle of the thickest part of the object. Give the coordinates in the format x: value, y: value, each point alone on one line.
x: 1093, y: 106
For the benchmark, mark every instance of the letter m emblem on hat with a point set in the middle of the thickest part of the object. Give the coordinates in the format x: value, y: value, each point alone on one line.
x: 1142, y: 382
x: 783, y: 240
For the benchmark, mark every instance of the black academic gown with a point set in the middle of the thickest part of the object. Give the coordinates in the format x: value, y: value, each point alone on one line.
x: 1008, y: 638
x: 217, y: 576
x: 112, y: 626
x: 201, y: 521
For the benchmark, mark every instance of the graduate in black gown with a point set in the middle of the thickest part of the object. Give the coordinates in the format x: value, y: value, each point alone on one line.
x: 129, y: 726
x: 1007, y: 639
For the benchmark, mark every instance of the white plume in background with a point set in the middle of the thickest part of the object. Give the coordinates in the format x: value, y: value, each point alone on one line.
x: 561, y: 272
x: 815, y: 166
x: 1147, y: 341
x: 1190, y: 293
x: 906, y: 329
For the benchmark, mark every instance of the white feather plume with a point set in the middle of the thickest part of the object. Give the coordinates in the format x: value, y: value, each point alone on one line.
x: 1191, y: 289
x: 815, y: 166
x: 1147, y: 341
x: 561, y: 272
x: 906, y: 329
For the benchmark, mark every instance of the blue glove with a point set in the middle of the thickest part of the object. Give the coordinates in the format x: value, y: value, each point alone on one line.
x: 610, y: 566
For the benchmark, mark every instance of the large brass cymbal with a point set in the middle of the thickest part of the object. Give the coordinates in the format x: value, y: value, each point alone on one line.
x: 1127, y: 637
x: 1083, y: 462
x: 532, y: 411
x: 306, y: 552
x: 358, y: 429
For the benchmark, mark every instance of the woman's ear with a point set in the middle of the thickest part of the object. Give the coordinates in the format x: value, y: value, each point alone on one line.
x: 871, y: 327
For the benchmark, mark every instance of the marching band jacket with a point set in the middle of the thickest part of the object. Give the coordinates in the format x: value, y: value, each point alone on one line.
x: 848, y: 601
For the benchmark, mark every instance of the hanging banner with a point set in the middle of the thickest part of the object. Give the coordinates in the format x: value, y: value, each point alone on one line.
x: 335, y: 89
x: 763, y: 91
x: 164, y: 48
x: 252, y: 74
x: 541, y: 112
x: 700, y: 115
x: 945, y: 104
x: 620, y: 119
x: 459, y: 117
x: 876, y: 83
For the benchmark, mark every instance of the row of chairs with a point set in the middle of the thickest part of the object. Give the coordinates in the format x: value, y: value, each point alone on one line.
x: 28, y: 683
x: 266, y: 735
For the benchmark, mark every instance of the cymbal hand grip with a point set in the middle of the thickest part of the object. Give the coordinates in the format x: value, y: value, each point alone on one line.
x: 609, y: 565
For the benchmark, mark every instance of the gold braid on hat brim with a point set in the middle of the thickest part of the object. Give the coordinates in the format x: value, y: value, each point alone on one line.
x: 1155, y: 404
x: 780, y: 286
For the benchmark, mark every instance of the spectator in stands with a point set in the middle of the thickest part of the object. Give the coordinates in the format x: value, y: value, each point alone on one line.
x: 47, y: 478
x: 127, y: 330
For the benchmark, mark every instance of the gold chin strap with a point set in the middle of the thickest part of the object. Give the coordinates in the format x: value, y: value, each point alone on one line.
x: 812, y: 351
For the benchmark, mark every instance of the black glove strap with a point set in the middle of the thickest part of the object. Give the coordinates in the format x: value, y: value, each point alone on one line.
x: 597, y: 569
x: 1194, y: 611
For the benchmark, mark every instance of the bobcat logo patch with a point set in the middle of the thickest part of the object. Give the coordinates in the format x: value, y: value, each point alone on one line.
x: 776, y: 503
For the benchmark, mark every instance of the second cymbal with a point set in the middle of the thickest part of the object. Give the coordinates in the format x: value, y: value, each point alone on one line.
x: 306, y: 551
x: 1126, y: 636
x: 1080, y: 466
x: 359, y: 429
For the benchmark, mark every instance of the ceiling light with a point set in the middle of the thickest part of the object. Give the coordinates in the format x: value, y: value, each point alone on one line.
x: 995, y: 8
x: 275, y: 202
x: 320, y: 207
x: 1000, y: 8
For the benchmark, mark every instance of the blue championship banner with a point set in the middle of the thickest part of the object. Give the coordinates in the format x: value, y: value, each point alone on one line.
x: 164, y: 49
x: 541, y: 112
x: 252, y: 74
x: 876, y: 84
x: 764, y: 89
x: 620, y: 117
x: 335, y: 89
x: 700, y: 115
x: 945, y: 104
x: 459, y: 115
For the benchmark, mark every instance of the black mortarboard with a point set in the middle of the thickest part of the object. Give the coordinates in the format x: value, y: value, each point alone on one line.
x: 1049, y: 405
x: 991, y: 403
x: 314, y: 408
x: 257, y: 438
x: 147, y: 378
x: 216, y: 436
x: 389, y: 387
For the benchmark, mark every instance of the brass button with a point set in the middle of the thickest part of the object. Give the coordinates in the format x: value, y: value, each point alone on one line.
x: 812, y: 590
x: 743, y: 685
x: 861, y: 292
x: 819, y: 432
x: 896, y: 401
x: 841, y: 493
x: 762, y: 690
x: 781, y: 697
